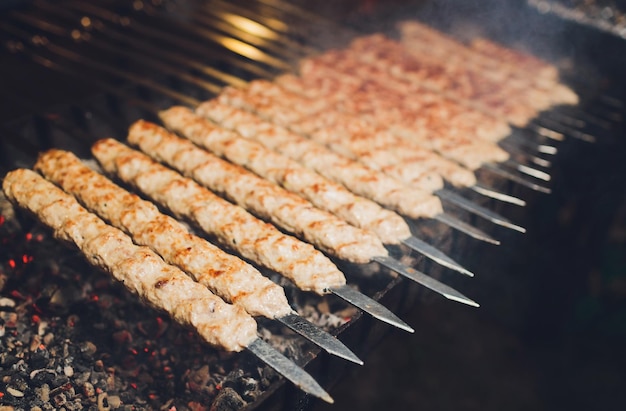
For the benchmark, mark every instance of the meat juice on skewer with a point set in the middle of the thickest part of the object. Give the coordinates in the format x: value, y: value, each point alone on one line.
x: 288, y: 211
x: 225, y: 275
x: 144, y: 273
x: 234, y: 227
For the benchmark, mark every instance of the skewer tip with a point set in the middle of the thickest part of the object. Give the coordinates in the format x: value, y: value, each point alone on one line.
x: 466, y: 228
x: 317, y: 336
x: 423, y: 279
x: 372, y: 307
x: 479, y: 210
x: 467, y: 273
x: 328, y: 399
x: 491, y: 193
x: 465, y: 300
x: 288, y: 369
x: 435, y: 255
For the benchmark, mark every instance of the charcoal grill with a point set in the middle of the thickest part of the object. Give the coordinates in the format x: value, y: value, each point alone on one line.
x: 72, y: 77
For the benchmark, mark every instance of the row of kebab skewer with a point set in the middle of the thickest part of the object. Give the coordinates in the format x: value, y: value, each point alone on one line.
x: 337, y: 156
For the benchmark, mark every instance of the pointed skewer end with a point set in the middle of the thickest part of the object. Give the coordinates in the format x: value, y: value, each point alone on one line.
x: 519, y: 229
x: 466, y: 228
x: 434, y: 254
x: 328, y: 399
x: 496, y: 195
x: 467, y: 273
x: 288, y: 369
x: 317, y: 336
x: 423, y: 279
x: 479, y: 210
x: 370, y: 306
x: 465, y: 301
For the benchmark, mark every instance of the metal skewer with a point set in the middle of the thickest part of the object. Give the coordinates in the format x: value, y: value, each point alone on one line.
x: 462, y: 202
x: 527, y: 144
x: 425, y: 280
x: 496, y: 195
x: 558, y: 128
x: 530, y: 171
x: 366, y: 304
x: 516, y: 151
x: 493, y: 168
x: 545, y: 132
x: 319, y: 337
x: 466, y: 228
x: 435, y: 254
x: 286, y: 368
x: 580, y: 119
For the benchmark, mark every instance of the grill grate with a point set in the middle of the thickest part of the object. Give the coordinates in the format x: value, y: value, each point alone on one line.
x: 126, y: 77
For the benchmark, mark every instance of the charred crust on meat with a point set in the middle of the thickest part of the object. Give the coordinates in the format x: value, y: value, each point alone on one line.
x: 160, y: 284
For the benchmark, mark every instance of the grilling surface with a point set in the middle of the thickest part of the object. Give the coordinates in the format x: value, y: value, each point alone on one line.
x: 154, y: 100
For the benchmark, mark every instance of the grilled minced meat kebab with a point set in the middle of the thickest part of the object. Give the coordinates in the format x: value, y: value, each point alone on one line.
x: 494, y: 61
x: 460, y: 82
x: 358, y: 178
x: 138, y: 268
x: 227, y: 276
x: 289, y: 174
x: 267, y: 200
x: 231, y: 225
